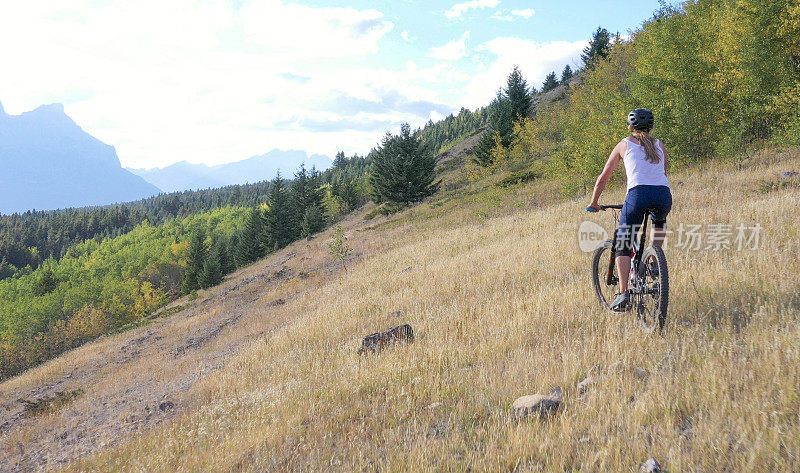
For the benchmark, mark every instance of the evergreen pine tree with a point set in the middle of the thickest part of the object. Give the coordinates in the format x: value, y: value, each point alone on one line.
x: 305, y: 194
x: 501, y: 122
x: 313, y: 220
x: 211, y: 273
x: 236, y: 195
x: 517, y: 93
x: 482, y: 153
x: 403, y: 169
x: 598, y: 49
x: 250, y: 246
x: 566, y: 74
x: 46, y: 283
x: 279, y: 218
x: 198, y: 254
x: 550, y: 82
x: 501, y: 117
x: 340, y: 161
x: 221, y: 251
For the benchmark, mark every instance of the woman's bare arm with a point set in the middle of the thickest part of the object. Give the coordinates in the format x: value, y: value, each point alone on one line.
x: 611, y: 165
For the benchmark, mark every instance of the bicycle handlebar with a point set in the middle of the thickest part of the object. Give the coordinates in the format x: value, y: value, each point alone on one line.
x: 604, y: 207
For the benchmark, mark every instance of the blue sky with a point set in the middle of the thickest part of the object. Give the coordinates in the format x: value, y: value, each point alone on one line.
x: 218, y: 81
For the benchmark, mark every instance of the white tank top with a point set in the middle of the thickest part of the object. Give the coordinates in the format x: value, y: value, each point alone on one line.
x: 639, y: 170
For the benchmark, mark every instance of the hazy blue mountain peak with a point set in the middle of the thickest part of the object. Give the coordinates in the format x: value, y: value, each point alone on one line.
x: 187, y: 176
x: 47, y: 161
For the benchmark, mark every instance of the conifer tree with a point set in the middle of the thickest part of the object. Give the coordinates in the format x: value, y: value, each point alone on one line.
x: 517, y: 93
x: 198, y: 254
x: 566, y: 74
x: 279, y: 218
x: 250, y: 241
x: 211, y: 273
x: 550, y: 82
x: 599, y: 48
x: 306, y: 194
x: 221, y: 251
x: 340, y: 161
x: 313, y: 220
x: 5, y: 269
x: 46, y: 283
x: 403, y: 169
x: 501, y: 122
x: 482, y: 153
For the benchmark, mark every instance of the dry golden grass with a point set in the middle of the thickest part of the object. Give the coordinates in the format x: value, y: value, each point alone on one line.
x: 500, y: 299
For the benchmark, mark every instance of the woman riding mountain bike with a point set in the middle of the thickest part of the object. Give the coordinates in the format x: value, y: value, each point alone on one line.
x: 645, y: 161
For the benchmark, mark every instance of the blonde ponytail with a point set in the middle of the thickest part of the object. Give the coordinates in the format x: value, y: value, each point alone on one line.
x: 648, y: 143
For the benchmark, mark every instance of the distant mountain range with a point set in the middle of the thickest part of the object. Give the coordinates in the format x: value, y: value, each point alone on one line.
x: 187, y: 176
x: 48, y: 162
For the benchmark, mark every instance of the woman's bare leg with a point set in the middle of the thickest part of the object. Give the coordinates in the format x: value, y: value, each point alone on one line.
x: 624, y: 271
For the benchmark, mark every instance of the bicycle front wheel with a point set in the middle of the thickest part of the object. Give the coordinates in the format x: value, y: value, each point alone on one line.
x: 652, y: 299
x: 600, y: 264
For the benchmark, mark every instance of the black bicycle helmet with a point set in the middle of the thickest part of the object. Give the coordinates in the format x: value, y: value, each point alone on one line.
x: 641, y: 119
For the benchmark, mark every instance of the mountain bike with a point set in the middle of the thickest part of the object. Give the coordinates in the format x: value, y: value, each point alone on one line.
x: 648, y: 280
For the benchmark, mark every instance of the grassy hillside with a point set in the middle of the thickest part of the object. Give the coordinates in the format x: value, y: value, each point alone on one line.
x: 493, y: 283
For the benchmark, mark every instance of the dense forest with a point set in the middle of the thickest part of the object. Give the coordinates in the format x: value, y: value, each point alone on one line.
x: 441, y: 135
x: 28, y: 239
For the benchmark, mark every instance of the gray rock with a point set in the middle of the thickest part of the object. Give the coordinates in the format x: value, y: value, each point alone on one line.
x: 166, y: 406
x: 583, y: 386
x: 650, y: 466
x: 621, y: 367
x: 538, y: 404
x: 788, y: 173
x: 378, y: 341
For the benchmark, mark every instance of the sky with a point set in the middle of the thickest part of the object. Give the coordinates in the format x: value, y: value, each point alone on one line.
x: 210, y: 81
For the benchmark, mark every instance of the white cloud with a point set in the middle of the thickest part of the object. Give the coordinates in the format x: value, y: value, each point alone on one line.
x: 452, y: 51
x: 205, y: 81
x: 460, y: 8
x: 534, y: 59
x: 298, y: 31
x: 407, y: 37
x: 506, y: 15
x: 202, y: 80
x: 526, y: 13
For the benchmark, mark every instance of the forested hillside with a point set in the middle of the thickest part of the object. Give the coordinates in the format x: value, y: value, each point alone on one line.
x: 29, y: 238
x: 721, y: 77
x: 72, y: 275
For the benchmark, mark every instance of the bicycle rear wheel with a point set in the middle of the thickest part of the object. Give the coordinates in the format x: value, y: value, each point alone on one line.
x: 652, y: 298
x: 600, y: 259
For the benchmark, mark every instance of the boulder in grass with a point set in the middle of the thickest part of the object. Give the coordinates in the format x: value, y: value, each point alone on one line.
x: 378, y: 341
x: 789, y: 174
x: 538, y: 404
x: 650, y: 466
